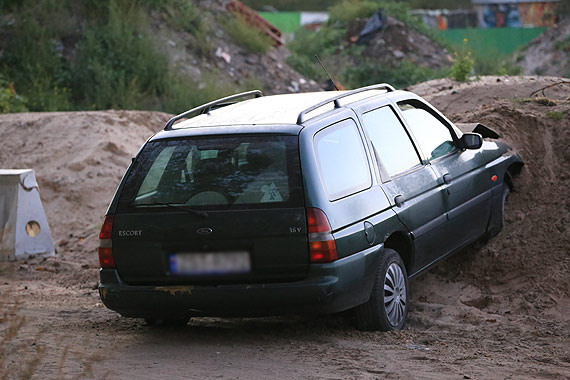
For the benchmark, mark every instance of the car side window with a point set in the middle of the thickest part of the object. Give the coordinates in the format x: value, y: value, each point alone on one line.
x: 391, y: 143
x: 433, y: 137
x: 342, y: 160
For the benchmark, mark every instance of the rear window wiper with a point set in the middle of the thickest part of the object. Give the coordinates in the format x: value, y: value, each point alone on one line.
x: 203, y: 214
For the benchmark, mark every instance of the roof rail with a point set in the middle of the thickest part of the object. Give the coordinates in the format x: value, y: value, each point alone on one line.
x: 205, y: 108
x: 382, y: 86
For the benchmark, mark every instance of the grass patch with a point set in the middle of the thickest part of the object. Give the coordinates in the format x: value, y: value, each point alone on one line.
x: 117, y: 64
x: 543, y: 101
x: 246, y: 36
x: 555, y: 115
x: 180, y: 14
x: 563, y: 44
x: 183, y: 94
x: 10, y: 101
x: 347, y: 11
x: 64, y: 55
x: 307, y: 44
x: 405, y: 74
x: 32, y: 60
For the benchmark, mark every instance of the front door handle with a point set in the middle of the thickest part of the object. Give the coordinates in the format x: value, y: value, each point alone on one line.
x: 447, y: 178
x: 399, y: 200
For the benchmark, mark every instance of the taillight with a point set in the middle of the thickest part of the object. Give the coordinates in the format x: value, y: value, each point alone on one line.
x: 322, y: 247
x: 105, y: 249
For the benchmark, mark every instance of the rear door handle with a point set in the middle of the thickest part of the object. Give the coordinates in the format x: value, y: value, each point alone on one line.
x: 446, y: 178
x: 399, y: 200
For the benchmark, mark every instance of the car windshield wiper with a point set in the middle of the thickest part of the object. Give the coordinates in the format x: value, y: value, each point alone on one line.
x: 172, y: 205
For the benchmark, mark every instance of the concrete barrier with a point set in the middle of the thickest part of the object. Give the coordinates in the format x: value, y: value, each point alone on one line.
x: 24, y: 230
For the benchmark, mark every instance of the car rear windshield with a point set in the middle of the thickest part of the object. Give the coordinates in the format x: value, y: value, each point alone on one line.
x: 215, y: 173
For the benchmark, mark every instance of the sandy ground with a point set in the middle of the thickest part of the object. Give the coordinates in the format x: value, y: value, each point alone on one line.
x: 495, y: 311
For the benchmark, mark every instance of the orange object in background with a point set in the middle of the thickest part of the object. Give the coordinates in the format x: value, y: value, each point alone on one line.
x: 441, y: 22
x: 255, y: 20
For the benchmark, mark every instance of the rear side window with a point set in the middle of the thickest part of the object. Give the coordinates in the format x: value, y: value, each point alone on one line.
x: 342, y: 160
x: 391, y: 142
x: 432, y: 135
x: 220, y: 172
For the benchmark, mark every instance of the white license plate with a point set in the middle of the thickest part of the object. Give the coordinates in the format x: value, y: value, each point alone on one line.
x: 210, y: 263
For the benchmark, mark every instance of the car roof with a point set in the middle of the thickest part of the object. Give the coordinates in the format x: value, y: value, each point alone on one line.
x: 271, y: 110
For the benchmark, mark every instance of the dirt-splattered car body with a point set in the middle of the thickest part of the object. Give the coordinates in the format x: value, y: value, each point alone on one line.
x: 302, y: 203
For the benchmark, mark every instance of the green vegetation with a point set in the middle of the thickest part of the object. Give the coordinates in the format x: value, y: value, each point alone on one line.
x: 10, y: 101
x: 462, y: 64
x: 329, y: 41
x: 307, y: 44
x: 555, y: 115
x: 563, y: 44
x: 244, y: 35
x: 347, y: 11
x: 487, y: 51
x: 401, y: 76
x: 75, y: 55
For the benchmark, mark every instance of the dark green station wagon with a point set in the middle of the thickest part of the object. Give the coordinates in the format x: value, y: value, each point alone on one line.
x: 298, y: 203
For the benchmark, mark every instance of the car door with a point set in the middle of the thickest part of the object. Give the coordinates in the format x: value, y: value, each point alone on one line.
x: 410, y: 184
x: 461, y: 172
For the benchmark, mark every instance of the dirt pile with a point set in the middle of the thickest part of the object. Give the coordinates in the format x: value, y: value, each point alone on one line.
x: 525, y: 269
x: 79, y: 159
x: 549, y: 53
x: 395, y: 42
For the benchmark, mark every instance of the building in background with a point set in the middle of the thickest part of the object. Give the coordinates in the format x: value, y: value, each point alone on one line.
x: 515, y: 13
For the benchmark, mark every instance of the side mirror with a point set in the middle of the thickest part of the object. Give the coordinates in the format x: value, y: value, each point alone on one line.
x: 471, y: 141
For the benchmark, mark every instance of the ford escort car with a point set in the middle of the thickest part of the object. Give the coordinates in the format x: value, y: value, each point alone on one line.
x: 323, y: 202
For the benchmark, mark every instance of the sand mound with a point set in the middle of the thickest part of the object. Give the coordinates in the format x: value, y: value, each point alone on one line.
x: 525, y: 269
x: 79, y: 159
x: 396, y: 42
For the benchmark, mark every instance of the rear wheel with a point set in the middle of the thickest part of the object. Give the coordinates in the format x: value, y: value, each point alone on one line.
x: 387, y: 307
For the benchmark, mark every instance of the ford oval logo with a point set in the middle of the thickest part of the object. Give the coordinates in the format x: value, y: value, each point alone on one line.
x: 204, y: 230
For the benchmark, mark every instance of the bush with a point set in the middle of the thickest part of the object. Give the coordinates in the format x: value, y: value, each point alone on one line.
x: 555, y: 115
x: 462, y: 63
x: 243, y: 34
x: 179, y: 14
x: 97, y: 54
x: 183, y: 94
x: 31, y: 58
x: 402, y: 76
x: 307, y: 44
x: 10, y: 101
x: 350, y: 10
x: 117, y: 64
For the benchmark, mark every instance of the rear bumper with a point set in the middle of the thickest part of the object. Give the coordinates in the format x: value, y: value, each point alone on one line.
x: 328, y: 288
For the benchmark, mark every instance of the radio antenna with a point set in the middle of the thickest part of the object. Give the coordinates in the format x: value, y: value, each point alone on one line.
x: 326, y: 71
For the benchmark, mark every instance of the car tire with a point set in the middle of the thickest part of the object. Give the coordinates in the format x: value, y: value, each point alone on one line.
x: 166, y: 322
x: 506, y: 192
x: 494, y: 231
x: 387, y: 308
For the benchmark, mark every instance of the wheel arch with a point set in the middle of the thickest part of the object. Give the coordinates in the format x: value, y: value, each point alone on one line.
x: 401, y: 242
x: 513, y: 170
